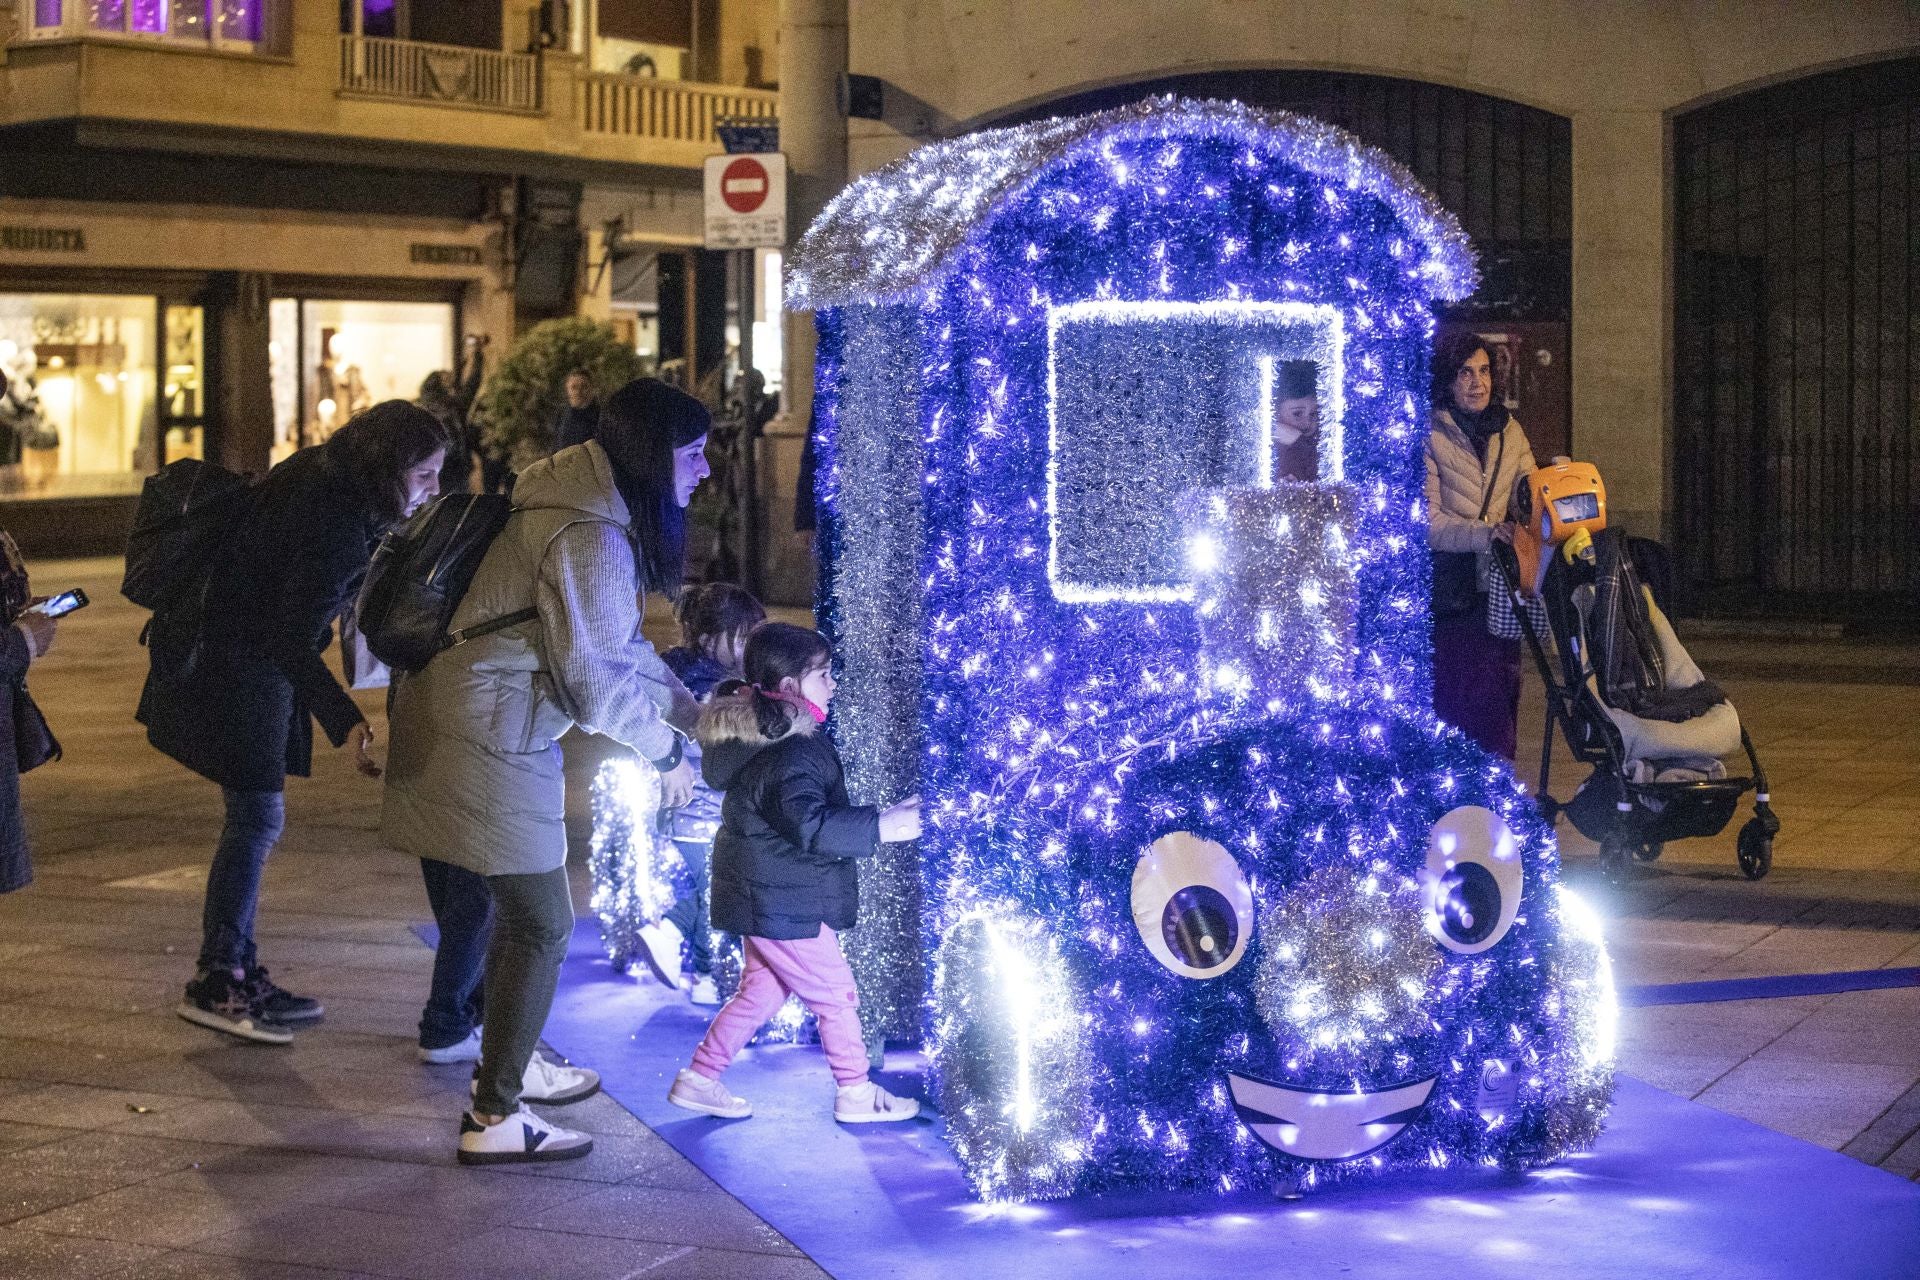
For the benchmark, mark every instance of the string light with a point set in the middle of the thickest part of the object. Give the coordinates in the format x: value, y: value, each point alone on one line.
x: 636, y: 869
x: 1032, y: 340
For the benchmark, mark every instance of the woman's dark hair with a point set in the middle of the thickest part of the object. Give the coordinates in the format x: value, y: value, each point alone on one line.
x: 775, y: 651
x: 715, y: 611
x: 1299, y: 379
x: 641, y: 425
x: 378, y: 446
x: 1450, y: 356
x: 579, y: 371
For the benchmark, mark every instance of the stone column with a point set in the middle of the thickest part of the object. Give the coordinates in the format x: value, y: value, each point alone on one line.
x: 1622, y: 308
x: 240, y: 430
x: 813, y: 133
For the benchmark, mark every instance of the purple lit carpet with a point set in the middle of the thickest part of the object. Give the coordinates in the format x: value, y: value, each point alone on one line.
x: 1674, y: 1190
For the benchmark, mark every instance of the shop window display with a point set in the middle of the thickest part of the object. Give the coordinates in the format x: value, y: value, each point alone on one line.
x: 332, y: 359
x: 79, y: 418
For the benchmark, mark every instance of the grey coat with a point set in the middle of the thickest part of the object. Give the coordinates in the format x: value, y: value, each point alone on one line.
x: 474, y: 775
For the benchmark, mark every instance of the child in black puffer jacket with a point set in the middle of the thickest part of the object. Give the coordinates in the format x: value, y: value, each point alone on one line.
x: 783, y: 870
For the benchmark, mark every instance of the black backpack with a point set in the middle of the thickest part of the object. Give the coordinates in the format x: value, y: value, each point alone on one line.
x: 186, y: 510
x: 420, y: 574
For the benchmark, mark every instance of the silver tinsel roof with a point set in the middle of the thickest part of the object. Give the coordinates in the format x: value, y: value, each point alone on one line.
x: 894, y: 231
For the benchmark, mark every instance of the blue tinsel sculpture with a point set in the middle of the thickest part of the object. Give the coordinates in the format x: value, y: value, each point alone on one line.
x: 1207, y: 897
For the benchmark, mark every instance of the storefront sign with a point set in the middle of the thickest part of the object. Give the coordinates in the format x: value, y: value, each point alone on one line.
x: 44, y: 239
x: 445, y: 255
x: 746, y: 201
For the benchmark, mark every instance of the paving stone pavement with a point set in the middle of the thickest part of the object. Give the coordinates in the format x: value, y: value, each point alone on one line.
x: 134, y: 1144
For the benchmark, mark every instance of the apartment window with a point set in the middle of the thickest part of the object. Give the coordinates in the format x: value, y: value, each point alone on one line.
x: 227, y: 23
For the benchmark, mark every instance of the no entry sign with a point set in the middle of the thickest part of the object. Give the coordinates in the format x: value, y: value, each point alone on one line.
x: 746, y: 201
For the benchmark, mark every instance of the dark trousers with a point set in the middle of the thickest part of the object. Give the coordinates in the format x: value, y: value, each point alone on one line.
x: 1476, y: 681
x: 463, y: 910
x: 533, y: 922
x: 254, y: 822
x: 689, y: 914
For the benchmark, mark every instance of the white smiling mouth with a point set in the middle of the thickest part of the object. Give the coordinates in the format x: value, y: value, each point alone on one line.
x: 1309, y: 1124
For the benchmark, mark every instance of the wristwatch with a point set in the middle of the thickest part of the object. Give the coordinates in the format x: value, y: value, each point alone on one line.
x: 671, y: 761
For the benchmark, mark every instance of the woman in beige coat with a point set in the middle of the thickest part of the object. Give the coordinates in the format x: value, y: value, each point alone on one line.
x: 1476, y: 455
x: 475, y: 778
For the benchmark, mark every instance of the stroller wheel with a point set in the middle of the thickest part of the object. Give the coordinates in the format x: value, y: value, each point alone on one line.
x: 1650, y: 851
x: 1756, y: 850
x: 1616, y: 861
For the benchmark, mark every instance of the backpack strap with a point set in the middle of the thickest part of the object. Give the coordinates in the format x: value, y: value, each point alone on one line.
x: 456, y: 638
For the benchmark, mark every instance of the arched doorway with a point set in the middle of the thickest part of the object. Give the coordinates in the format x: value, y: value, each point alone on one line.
x: 1506, y: 171
x: 1797, y: 369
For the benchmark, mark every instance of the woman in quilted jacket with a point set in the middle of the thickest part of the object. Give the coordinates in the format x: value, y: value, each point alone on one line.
x: 1476, y: 456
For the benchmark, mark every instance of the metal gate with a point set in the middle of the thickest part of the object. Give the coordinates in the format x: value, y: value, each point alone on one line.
x: 1797, y: 365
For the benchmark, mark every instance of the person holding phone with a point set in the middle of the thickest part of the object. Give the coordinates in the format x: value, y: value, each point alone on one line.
x: 21, y: 644
x: 236, y: 683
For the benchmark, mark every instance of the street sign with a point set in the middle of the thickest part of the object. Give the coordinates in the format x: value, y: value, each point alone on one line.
x: 746, y: 201
x: 746, y: 135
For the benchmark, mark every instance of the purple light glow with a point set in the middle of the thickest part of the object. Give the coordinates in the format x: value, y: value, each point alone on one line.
x: 240, y: 20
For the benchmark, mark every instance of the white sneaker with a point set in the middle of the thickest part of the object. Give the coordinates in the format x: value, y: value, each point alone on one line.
x: 467, y: 1050
x: 660, y: 948
x: 705, y: 990
x: 870, y: 1104
x: 521, y: 1138
x: 552, y: 1084
x: 695, y: 1092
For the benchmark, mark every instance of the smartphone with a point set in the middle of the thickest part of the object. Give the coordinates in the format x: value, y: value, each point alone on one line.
x: 61, y: 605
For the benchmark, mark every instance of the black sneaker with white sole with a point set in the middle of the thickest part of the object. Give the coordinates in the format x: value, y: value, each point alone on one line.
x: 278, y: 1004
x: 521, y: 1138
x: 221, y: 1002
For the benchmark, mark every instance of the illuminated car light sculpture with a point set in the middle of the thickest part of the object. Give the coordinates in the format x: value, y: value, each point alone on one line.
x: 1206, y: 896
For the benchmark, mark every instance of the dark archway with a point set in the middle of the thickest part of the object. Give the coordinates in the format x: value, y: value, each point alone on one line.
x: 1506, y: 171
x: 1797, y: 483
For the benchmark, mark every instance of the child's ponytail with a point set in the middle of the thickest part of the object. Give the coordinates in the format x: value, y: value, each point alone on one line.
x: 771, y: 716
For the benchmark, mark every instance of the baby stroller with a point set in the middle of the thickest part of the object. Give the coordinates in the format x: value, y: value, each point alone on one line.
x: 1628, y: 698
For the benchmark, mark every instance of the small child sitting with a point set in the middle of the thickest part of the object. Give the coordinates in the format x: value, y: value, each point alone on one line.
x: 783, y: 870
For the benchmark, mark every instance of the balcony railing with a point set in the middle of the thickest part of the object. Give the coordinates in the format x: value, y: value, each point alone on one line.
x: 665, y: 110
x: 417, y: 72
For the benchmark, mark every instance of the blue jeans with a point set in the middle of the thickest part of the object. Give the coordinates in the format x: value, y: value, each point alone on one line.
x: 255, y: 820
x: 463, y: 910
x: 689, y: 914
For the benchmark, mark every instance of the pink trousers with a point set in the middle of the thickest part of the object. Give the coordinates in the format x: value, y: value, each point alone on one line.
x: 811, y: 968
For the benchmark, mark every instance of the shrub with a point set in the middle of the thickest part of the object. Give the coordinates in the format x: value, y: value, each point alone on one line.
x: 524, y: 396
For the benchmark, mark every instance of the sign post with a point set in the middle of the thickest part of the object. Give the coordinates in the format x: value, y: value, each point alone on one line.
x: 746, y: 209
x: 746, y: 201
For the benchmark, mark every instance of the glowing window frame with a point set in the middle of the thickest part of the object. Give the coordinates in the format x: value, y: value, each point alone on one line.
x: 1329, y: 328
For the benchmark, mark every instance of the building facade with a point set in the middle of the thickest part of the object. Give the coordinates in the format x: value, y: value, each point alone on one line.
x: 227, y: 225
x: 1608, y: 158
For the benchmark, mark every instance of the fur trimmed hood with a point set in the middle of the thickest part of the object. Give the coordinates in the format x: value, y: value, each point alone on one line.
x: 732, y: 731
